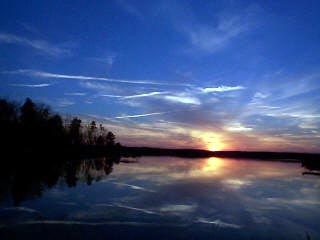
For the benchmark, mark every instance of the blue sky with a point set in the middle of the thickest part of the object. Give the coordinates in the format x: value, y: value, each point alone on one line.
x: 232, y: 75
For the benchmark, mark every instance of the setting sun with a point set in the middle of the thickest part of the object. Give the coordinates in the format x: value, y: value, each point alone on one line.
x: 214, y: 144
x: 212, y: 147
x: 211, y: 141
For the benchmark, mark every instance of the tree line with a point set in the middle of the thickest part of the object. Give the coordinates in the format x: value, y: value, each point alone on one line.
x: 33, y: 127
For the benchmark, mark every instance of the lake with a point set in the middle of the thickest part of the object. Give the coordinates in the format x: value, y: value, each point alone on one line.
x: 161, y: 198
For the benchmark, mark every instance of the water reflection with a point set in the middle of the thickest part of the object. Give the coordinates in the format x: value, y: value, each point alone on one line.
x: 163, y: 198
x: 213, y: 164
x: 26, y: 181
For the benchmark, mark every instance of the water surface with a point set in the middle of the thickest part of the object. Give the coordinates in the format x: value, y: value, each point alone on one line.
x: 164, y: 198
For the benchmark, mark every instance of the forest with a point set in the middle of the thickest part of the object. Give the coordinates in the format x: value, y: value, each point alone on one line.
x: 32, y: 128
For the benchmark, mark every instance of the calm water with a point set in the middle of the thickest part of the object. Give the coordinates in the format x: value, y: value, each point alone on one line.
x: 163, y: 198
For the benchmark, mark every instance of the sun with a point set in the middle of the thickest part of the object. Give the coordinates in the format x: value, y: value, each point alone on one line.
x: 211, y: 141
x: 212, y: 147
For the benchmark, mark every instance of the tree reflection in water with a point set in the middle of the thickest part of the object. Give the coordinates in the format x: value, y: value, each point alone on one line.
x: 28, y: 179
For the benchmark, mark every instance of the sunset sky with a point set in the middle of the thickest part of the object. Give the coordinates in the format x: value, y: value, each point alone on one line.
x: 218, y: 75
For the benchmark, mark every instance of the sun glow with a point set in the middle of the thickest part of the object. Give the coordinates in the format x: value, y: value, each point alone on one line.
x: 211, y: 141
x: 214, y: 145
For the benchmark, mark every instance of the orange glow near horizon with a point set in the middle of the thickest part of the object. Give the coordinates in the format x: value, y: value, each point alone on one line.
x: 211, y: 141
x: 214, y: 145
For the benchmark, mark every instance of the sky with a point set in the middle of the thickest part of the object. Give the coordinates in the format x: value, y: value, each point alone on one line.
x: 217, y: 75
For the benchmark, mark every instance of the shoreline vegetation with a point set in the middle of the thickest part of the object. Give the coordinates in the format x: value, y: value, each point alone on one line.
x: 39, y: 150
x: 31, y: 129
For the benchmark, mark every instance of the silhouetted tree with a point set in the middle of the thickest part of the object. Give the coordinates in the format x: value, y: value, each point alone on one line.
x: 32, y: 128
x: 75, y: 135
x: 30, y: 131
x: 8, y: 111
x: 28, y: 113
x: 110, y: 139
x: 56, y: 131
x: 100, y: 141
x: 8, y: 123
x: 91, y: 131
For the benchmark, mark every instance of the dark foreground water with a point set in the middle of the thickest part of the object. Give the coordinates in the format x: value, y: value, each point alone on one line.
x: 162, y: 198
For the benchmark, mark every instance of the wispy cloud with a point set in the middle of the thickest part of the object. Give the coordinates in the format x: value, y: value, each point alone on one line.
x: 42, y: 74
x: 131, y: 9
x: 110, y: 96
x: 218, y: 223
x: 107, y: 60
x: 222, y: 89
x: 224, y: 28
x: 40, y: 45
x: 150, y: 94
x: 210, y: 39
x: 31, y: 85
x: 237, y: 127
x: 64, y: 102
x: 141, y: 115
x: 135, y: 209
x: 183, y: 99
x: 75, y: 94
x: 144, y: 95
x: 259, y: 95
x: 135, y: 187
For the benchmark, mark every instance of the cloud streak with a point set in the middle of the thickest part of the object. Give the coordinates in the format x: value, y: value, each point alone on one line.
x: 75, y: 94
x: 222, y: 88
x: 40, y: 45
x: 210, y: 39
x: 41, y: 74
x: 216, y: 35
x: 183, y: 99
x: 31, y: 85
x: 141, y: 115
x: 150, y: 94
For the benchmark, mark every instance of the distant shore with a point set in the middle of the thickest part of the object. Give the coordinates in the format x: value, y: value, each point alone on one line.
x: 198, y: 153
x: 309, y: 160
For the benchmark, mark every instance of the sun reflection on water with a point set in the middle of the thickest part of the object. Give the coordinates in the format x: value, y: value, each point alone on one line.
x: 213, y: 164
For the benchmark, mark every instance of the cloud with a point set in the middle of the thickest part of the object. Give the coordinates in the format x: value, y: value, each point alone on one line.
x: 135, y: 209
x: 31, y: 85
x: 110, y: 96
x: 101, y: 86
x: 135, y: 187
x: 178, y: 208
x: 141, y: 115
x: 183, y: 99
x: 222, y: 88
x: 108, y: 60
x: 63, y: 102
x: 134, y: 96
x: 40, y: 45
x: 144, y: 95
x: 218, y: 223
x: 237, y: 127
x: 260, y: 95
x: 75, y: 94
x: 224, y: 27
x: 42, y: 74
x: 211, y: 39
x: 131, y: 9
